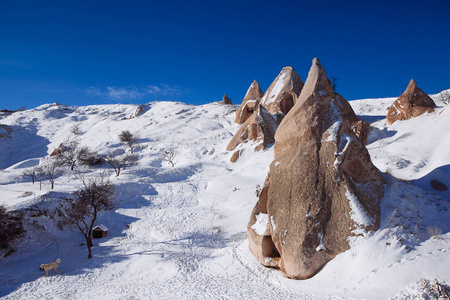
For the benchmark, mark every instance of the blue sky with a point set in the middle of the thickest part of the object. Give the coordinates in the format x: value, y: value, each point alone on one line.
x: 97, y: 52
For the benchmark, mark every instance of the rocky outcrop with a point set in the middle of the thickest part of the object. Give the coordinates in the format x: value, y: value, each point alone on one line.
x: 249, y: 104
x: 322, y: 186
x: 282, y: 94
x: 260, y: 127
x: 261, y: 117
x: 56, y: 152
x: 412, y: 103
x: 226, y: 100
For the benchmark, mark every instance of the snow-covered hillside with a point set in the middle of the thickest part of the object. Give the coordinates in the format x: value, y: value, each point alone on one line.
x: 181, y: 232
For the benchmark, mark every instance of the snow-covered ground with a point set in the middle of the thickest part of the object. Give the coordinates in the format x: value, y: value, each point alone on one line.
x: 180, y: 232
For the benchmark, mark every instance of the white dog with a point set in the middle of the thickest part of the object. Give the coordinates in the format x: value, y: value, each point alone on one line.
x: 48, y: 267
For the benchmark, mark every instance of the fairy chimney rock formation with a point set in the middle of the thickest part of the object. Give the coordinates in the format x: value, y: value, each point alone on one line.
x: 226, y: 100
x: 261, y: 117
x: 249, y: 104
x: 282, y: 94
x: 412, y: 103
x: 322, y: 186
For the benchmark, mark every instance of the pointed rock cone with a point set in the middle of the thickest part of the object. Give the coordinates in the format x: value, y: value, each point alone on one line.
x: 412, y: 103
x: 226, y: 100
x: 260, y: 126
x: 322, y: 186
x: 249, y: 104
x: 282, y: 94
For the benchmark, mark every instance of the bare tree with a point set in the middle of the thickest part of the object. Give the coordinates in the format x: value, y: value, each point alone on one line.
x: 169, y: 156
x: 81, y: 211
x: 48, y: 169
x: 130, y: 139
x: 333, y: 83
x: 32, y: 172
x: 88, y: 157
x: 69, y: 155
x: 120, y: 162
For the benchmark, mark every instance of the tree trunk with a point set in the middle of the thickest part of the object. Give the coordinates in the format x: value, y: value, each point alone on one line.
x: 89, y: 245
x: 73, y: 165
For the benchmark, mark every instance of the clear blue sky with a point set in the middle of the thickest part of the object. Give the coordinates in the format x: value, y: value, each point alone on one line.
x: 96, y: 52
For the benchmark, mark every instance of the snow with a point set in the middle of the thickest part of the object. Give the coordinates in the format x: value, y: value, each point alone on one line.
x: 272, y: 222
x: 269, y: 98
x: 181, y: 232
x: 321, y: 245
x: 101, y: 227
x: 261, y: 223
x: 357, y: 213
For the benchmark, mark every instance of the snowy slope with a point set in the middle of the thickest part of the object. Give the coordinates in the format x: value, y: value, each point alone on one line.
x: 180, y: 232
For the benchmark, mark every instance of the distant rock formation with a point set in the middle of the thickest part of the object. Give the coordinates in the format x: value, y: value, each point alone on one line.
x: 321, y: 188
x: 249, y: 104
x: 261, y: 118
x: 226, y: 100
x: 56, y: 152
x: 412, y: 103
x: 139, y: 110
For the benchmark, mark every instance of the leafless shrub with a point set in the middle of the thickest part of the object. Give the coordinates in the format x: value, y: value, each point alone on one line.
x: 69, y: 155
x: 169, y: 156
x: 333, y: 83
x: 76, y: 130
x: 120, y: 162
x: 11, y: 227
x: 48, y: 169
x: 88, y: 157
x: 81, y: 211
x: 444, y: 97
x: 258, y: 190
x: 32, y: 172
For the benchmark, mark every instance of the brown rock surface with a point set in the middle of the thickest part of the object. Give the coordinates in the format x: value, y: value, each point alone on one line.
x: 260, y: 120
x: 412, y: 103
x: 226, y: 100
x: 249, y: 104
x: 282, y: 94
x: 56, y: 151
x: 321, y: 188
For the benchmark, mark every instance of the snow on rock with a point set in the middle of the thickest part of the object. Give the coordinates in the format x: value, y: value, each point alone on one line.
x: 180, y: 232
x: 260, y: 225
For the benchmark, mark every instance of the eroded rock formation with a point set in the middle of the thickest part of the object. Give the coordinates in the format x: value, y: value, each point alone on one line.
x: 249, y: 104
x: 226, y: 100
x: 282, y: 94
x: 322, y: 186
x: 261, y: 117
x: 412, y: 103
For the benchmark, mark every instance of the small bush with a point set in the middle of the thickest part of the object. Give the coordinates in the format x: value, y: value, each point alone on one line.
x: 89, y: 158
x: 76, y: 130
x: 11, y: 227
x: 125, y: 136
x: 435, y: 232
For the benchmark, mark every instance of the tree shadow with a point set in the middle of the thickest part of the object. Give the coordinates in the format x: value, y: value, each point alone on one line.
x: 44, y: 242
x: 413, y: 215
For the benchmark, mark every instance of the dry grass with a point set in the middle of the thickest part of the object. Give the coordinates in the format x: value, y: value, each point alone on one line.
x: 435, y: 232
